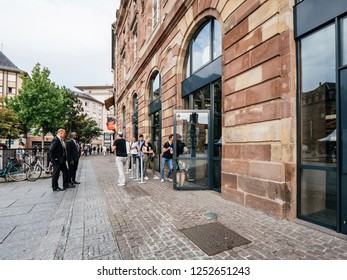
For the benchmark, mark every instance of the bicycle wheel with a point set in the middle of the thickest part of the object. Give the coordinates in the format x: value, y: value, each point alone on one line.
x: 19, y: 173
x: 35, y: 172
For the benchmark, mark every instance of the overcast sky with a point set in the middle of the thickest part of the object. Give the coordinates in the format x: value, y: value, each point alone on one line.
x: 70, y: 37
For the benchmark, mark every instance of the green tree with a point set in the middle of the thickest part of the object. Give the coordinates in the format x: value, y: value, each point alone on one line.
x: 39, y: 103
x: 89, y: 130
x: 10, y: 127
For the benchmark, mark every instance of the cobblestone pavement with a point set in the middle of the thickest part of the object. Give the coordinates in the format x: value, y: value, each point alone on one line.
x: 100, y: 220
x: 37, y: 223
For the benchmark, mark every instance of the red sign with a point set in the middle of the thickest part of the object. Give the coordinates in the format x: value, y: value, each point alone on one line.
x: 110, y: 125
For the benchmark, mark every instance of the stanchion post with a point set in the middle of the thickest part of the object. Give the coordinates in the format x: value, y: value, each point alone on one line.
x: 141, y: 172
x: 137, y: 169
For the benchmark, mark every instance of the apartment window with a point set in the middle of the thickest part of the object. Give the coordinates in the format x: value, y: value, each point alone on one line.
x: 156, y: 87
x: 11, y: 77
x: 155, y: 13
x: 124, y: 117
x: 12, y: 90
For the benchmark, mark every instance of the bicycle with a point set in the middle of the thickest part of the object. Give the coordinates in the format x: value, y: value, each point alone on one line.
x: 37, y: 167
x: 14, y: 170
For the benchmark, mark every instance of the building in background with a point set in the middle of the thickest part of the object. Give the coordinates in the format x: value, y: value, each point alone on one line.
x: 103, y: 94
x: 253, y: 92
x: 10, y: 84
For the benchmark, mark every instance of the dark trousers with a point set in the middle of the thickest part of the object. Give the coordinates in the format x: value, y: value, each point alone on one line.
x: 72, y: 171
x: 57, y: 167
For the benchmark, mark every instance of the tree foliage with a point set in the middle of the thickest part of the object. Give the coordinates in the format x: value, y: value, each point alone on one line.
x: 9, y: 126
x: 46, y: 107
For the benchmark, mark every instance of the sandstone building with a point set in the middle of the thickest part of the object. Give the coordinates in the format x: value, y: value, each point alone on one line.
x: 257, y: 88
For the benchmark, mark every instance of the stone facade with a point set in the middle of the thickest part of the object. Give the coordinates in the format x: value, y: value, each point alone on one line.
x: 258, y: 87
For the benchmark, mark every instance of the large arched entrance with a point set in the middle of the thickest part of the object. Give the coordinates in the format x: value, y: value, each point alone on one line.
x: 200, y: 124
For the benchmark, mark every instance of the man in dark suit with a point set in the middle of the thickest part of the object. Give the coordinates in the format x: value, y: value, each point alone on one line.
x: 73, y: 153
x: 58, y: 158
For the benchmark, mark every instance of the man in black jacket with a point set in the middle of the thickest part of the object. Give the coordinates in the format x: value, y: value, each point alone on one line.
x: 73, y: 153
x: 58, y: 158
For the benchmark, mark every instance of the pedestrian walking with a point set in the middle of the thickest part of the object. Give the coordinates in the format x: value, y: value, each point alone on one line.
x: 57, y: 151
x: 73, y: 153
x: 119, y: 147
x: 167, y: 159
x: 148, y: 157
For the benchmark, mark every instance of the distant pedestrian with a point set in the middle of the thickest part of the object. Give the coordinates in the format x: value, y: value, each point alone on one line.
x: 104, y: 150
x: 119, y: 147
x: 98, y: 150
x: 167, y: 159
x: 133, y: 152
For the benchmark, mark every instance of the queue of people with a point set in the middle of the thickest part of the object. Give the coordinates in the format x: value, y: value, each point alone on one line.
x: 139, y: 155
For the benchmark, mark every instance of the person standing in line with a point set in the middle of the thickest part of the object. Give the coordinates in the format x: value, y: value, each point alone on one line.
x: 167, y: 159
x: 148, y: 155
x: 133, y: 152
x: 139, y: 144
x: 57, y: 151
x: 181, y: 165
x: 104, y: 149
x: 119, y: 147
x: 73, y: 153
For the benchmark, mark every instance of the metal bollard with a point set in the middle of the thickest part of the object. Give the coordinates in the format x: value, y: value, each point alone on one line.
x: 137, y: 169
x: 132, y: 167
x: 141, y: 180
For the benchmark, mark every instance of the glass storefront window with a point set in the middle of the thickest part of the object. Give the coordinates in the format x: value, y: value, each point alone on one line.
x: 217, y: 40
x: 205, y: 46
x: 318, y: 98
x: 155, y: 87
x: 318, y: 195
x: 344, y: 41
x: 202, y: 47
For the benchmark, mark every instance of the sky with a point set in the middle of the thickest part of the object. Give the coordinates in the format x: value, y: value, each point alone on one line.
x: 72, y: 38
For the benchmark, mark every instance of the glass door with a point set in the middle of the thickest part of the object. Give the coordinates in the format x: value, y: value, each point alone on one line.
x: 343, y: 92
x: 192, y: 150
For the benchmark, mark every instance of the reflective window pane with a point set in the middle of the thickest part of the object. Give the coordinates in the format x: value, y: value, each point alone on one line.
x: 156, y: 87
x: 202, y: 47
x: 192, y: 173
x: 318, y: 98
x: 318, y: 195
x: 344, y: 41
x: 217, y: 40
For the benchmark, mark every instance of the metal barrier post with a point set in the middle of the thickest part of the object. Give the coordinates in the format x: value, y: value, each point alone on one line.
x: 141, y: 162
x: 137, y: 169
x: 132, y: 167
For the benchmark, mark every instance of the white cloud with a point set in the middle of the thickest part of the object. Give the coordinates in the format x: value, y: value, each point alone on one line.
x: 70, y: 37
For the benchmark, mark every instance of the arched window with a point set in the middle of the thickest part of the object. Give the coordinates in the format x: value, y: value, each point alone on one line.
x: 205, y: 46
x: 135, y: 116
x: 155, y: 87
x: 124, y: 117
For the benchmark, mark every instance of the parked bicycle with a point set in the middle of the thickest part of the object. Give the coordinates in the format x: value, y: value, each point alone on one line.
x: 15, y: 171
x: 37, y: 167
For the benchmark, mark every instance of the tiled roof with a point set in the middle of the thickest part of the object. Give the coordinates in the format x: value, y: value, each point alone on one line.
x: 86, y: 96
x: 6, y: 64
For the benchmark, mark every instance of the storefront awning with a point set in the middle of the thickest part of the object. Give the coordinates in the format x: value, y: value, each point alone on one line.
x: 109, y: 102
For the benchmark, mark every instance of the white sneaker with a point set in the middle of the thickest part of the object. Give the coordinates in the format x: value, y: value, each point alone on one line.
x: 162, y: 180
x: 169, y: 179
x: 155, y: 177
x: 146, y: 178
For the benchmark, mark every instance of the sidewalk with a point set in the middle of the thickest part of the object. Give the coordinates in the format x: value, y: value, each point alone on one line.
x: 100, y: 220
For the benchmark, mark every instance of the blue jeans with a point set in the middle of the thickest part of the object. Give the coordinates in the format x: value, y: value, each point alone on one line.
x: 169, y: 163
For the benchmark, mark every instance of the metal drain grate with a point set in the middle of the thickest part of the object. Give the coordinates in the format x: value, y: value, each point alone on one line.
x: 213, y: 238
